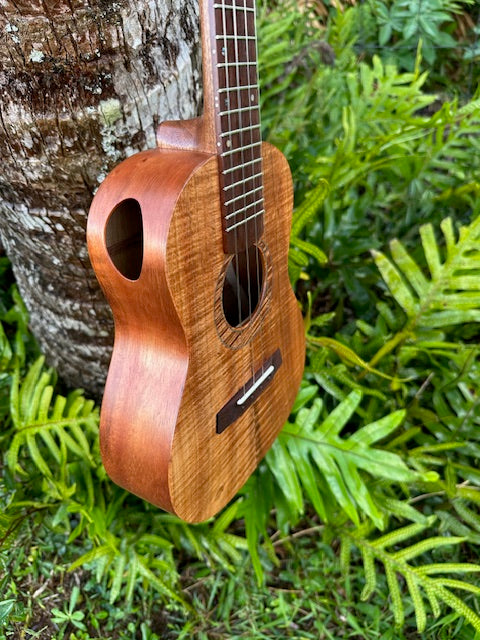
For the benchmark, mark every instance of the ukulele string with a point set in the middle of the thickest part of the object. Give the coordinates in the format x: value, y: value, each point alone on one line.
x: 227, y: 109
x: 260, y: 202
x: 241, y: 139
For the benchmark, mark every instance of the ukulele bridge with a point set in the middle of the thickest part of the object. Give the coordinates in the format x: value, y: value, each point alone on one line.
x: 249, y: 392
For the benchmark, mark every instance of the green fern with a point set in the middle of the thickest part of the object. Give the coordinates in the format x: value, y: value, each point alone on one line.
x: 419, y: 579
x: 301, y: 250
x: 311, y: 456
x: 49, y: 428
x: 451, y: 295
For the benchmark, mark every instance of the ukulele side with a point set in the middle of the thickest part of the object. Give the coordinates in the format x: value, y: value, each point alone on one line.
x: 150, y: 356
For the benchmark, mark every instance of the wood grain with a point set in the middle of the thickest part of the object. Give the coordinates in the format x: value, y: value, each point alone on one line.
x: 170, y: 373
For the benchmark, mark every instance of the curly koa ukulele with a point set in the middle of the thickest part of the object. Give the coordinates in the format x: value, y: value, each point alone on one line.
x: 189, y: 242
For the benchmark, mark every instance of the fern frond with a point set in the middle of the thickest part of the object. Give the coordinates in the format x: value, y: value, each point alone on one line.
x: 417, y: 578
x: 452, y: 295
x: 48, y: 426
x: 312, y: 453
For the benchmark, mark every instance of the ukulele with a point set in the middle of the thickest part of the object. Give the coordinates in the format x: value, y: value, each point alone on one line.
x: 189, y: 242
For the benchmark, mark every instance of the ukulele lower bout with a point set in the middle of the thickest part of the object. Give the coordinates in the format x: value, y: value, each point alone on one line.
x: 196, y: 392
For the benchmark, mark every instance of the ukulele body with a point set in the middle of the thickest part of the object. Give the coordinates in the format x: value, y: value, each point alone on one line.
x: 171, y: 430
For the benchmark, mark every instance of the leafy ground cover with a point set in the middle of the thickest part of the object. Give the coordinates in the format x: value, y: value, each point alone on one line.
x: 363, y: 521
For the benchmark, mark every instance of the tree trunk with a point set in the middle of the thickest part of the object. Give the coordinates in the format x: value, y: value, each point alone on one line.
x: 83, y: 84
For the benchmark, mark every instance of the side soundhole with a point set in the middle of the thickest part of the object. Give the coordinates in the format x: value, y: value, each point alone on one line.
x: 124, y: 238
x: 243, y: 286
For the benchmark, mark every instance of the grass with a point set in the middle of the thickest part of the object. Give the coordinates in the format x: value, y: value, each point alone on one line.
x: 305, y: 597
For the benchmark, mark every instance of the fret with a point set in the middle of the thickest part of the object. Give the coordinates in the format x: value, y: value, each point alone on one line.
x: 240, y: 166
x: 217, y: 5
x: 251, y: 127
x: 239, y: 182
x: 243, y: 195
x: 252, y: 107
x: 221, y: 37
x: 252, y: 217
x: 244, y: 209
x: 239, y: 88
x: 240, y: 149
x: 238, y: 64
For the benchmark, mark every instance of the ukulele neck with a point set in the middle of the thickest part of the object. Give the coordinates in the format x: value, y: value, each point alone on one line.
x: 232, y: 113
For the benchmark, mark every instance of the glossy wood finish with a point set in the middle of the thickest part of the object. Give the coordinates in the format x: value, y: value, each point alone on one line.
x: 171, y: 373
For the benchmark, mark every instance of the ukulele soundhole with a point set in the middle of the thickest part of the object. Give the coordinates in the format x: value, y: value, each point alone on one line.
x: 242, y: 295
x: 242, y: 287
x: 124, y: 238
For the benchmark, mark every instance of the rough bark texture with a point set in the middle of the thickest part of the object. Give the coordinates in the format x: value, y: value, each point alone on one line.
x: 83, y: 83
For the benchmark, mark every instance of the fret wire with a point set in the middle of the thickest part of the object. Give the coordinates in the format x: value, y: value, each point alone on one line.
x: 238, y: 149
x: 244, y: 209
x: 237, y: 224
x: 242, y: 195
x: 239, y: 182
x: 243, y: 86
x: 235, y: 37
x: 237, y: 64
x: 232, y: 6
x: 253, y: 107
x: 233, y: 131
x: 244, y: 164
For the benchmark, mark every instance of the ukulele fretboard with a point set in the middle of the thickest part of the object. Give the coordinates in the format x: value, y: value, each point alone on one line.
x: 237, y: 121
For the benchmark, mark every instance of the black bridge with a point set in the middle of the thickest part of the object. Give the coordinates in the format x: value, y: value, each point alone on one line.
x: 249, y: 392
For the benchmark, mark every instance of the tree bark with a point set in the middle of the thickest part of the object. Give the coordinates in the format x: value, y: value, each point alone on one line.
x: 84, y: 83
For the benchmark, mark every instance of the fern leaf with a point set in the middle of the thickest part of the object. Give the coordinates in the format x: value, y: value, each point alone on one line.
x: 395, y: 595
x: 449, y: 567
x: 278, y: 460
x: 396, y: 284
x: 370, y: 574
x: 379, y: 429
x: 430, y: 249
x: 131, y: 577
x: 101, y: 551
x: 402, y: 510
x: 398, y: 536
x: 459, y: 584
x: 118, y: 570
x: 417, y: 600
x: 310, y: 249
x: 471, y: 518
x: 339, y: 417
x: 37, y: 456
x: 408, y: 265
x: 309, y: 207
x: 346, y: 354
x: 432, y: 598
x: 460, y: 607
x: 426, y: 545
x: 417, y: 577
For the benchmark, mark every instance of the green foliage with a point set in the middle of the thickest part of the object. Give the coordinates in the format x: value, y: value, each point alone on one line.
x: 380, y: 453
x: 452, y: 295
x: 405, y: 22
x: 418, y: 579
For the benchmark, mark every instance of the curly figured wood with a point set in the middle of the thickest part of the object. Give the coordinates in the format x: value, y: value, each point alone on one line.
x: 171, y: 374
